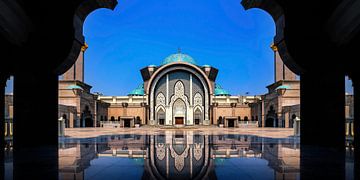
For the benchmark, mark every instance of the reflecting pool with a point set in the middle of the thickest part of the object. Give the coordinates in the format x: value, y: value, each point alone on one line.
x: 179, y: 155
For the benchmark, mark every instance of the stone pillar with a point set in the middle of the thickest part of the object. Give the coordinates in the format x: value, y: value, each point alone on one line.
x: 2, y: 125
x: 322, y: 128
x: 356, y: 125
x: 36, y: 126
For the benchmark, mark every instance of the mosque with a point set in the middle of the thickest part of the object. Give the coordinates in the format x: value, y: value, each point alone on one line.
x: 179, y: 92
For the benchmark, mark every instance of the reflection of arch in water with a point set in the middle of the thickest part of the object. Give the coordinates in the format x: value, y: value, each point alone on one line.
x: 175, y: 158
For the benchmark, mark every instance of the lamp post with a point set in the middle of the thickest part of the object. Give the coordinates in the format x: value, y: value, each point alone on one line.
x: 214, y: 107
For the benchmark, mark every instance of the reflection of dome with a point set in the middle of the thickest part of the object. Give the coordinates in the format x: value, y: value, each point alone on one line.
x: 179, y: 57
x: 139, y: 91
x: 219, y: 91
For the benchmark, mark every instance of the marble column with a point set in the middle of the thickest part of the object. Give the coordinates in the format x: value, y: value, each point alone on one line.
x: 356, y: 85
x: 322, y: 128
x: 36, y: 125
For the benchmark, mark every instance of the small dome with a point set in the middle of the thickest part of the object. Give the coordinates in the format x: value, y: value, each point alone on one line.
x: 283, y: 87
x: 179, y: 57
x: 139, y: 91
x: 219, y: 91
x: 74, y: 87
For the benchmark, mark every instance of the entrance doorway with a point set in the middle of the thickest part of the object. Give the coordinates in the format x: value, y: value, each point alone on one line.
x: 197, y: 121
x: 197, y: 117
x: 179, y: 120
x: 89, y: 122
x: 127, y: 123
x: 161, y: 121
x: 231, y: 123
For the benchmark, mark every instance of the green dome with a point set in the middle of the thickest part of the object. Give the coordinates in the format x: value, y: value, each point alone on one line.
x: 219, y: 91
x: 179, y: 57
x: 139, y: 91
x: 283, y: 87
x: 75, y: 87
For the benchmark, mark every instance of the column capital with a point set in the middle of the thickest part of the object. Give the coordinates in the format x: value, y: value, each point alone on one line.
x: 274, y: 47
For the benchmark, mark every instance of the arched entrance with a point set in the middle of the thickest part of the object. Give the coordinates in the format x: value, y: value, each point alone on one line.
x: 197, y: 117
x: 66, y: 120
x: 86, y: 117
x: 271, y: 118
x: 179, y: 112
x: 89, y: 122
x: 161, y: 116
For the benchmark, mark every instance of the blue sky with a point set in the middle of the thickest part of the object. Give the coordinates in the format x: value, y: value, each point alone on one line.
x: 215, y: 32
x: 138, y: 33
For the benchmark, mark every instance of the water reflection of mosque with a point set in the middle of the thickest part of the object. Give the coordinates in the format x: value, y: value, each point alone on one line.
x: 180, y: 155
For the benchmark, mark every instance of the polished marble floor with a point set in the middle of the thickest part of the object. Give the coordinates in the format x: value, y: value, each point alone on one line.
x: 161, y: 153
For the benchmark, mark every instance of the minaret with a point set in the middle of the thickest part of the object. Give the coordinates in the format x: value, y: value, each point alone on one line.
x: 282, y: 72
x: 76, y: 72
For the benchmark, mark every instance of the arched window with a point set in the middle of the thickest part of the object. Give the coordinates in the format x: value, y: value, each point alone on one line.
x: 292, y: 120
x: 112, y: 118
x: 66, y: 121
x: 161, y: 116
x: 118, y: 118
x: 138, y: 120
x: 246, y: 118
x: 220, y: 120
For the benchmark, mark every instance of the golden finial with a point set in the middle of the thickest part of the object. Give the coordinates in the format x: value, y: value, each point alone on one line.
x: 84, y: 47
x: 274, y: 47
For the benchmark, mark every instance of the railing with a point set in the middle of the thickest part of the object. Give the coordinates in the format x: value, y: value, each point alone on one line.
x: 110, y: 124
x: 248, y: 123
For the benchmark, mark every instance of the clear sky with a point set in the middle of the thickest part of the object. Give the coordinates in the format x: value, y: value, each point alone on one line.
x: 219, y: 33
x: 138, y: 33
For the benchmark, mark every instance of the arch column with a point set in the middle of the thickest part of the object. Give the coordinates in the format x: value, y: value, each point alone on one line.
x: 2, y: 125
x: 322, y: 124
x: 356, y: 85
x: 35, y: 125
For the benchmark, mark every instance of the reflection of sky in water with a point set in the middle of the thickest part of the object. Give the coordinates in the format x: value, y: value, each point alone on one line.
x: 225, y: 168
x: 243, y: 168
x: 115, y: 168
